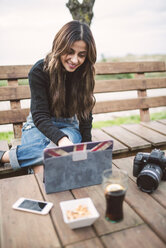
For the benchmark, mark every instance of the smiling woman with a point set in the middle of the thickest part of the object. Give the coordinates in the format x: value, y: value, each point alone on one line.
x: 75, y: 56
x: 62, y: 97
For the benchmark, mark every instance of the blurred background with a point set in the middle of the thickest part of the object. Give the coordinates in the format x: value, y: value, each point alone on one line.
x: 122, y: 29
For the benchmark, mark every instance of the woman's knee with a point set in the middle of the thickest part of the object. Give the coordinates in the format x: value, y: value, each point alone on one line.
x: 31, y: 134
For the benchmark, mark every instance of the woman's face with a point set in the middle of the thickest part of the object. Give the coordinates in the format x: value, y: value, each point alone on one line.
x: 75, y: 56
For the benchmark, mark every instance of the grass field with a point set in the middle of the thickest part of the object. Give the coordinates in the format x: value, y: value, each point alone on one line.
x: 128, y: 120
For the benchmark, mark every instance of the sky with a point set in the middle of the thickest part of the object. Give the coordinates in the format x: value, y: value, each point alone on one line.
x: 120, y: 27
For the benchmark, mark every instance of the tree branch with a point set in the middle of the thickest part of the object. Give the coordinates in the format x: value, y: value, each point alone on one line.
x: 81, y: 11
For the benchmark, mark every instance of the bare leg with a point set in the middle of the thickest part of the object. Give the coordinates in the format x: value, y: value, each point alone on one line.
x: 38, y: 169
x: 5, y: 157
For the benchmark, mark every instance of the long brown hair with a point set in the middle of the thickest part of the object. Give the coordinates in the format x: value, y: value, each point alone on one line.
x: 80, y: 88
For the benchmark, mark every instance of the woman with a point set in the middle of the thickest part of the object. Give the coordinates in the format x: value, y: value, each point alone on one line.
x: 61, y: 97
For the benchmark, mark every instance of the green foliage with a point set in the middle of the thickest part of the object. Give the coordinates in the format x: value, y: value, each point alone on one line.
x: 20, y: 82
x: 118, y: 121
x: 128, y: 120
x: 7, y: 136
x: 3, y: 83
x: 23, y: 81
x: 117, y: 76
x: 158, y: 116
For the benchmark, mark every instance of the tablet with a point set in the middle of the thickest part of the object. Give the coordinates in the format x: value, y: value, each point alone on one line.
x: 77, y: 165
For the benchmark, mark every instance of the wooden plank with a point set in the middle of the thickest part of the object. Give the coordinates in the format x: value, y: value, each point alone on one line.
x: 4, y: 145
x: 9, y: 172
x: 144, y: 113
x: 21, y: 71
x: 17, y: 128
x: 151, y: 211
x: 21, y: 229
x: 6, y: 168
x: 141, y: 236
x: 90, y: 243
x: 160, y: 193
x: 127, y: 138
x: 13, y: 116
x: 162, y: 121
x: 98, y: 134
x: 154, y: 137
x: 156, y: 126
x: 102, y: 86
x: 129, y: 67
x: 70, y: 235
x: 8, y: 93
x: 129, y: 104
x: 14, y: 71
x: 15, y: 105
x: 102, y: 226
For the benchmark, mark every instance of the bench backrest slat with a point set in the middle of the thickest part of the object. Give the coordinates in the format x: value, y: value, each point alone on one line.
x: 13, y: 116
x: 17, y: 116
x: 129, y: 67
x: 21, y: 71
x: 14, y: 71
x: 129, y: 104
x: 102, y: 86
x: 14, y: 93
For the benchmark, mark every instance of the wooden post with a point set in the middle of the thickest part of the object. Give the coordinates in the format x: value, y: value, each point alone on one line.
x: 15, y: 104
x: 144, y: 113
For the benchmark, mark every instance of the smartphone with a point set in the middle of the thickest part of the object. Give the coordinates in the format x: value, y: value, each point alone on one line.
x: 33, y: 206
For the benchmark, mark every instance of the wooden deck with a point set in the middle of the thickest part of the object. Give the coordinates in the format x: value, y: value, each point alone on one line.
x: 131, y: 138
x: 128, y: 140
x: 144, y: 223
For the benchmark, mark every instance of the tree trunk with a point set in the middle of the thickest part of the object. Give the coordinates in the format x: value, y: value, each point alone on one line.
x: 81, y: 11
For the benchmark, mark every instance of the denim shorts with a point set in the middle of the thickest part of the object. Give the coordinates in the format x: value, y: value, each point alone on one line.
x: 33, y: 142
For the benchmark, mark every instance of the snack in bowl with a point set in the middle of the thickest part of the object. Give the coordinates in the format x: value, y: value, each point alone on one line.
x: 79, y: 212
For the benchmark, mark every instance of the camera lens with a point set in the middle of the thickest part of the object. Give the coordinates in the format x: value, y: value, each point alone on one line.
x: 149, y: 178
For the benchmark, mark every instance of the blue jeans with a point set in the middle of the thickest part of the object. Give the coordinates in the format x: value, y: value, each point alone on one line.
x: 33, y: 142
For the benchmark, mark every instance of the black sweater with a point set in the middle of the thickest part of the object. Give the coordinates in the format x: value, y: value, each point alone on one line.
x: 41, y: 108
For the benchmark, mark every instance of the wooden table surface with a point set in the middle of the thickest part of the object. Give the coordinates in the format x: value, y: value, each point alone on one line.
x: 144, y: 223
x: 132, y: 138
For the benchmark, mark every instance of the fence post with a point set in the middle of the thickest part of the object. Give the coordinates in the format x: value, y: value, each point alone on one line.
x: 15, y: 104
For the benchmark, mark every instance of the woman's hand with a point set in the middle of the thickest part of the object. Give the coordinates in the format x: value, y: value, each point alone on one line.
x: 64, y: 142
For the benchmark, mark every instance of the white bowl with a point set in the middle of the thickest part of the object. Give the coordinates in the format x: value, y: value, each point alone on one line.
x: 81, y: 221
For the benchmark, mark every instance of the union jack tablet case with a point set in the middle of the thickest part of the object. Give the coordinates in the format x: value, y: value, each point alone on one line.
x: 76, y: 166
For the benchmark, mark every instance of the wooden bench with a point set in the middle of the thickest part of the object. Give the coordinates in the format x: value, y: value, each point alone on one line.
x: 128, y: 139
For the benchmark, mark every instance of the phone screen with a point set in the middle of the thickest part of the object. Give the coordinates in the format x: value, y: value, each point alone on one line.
x: 32, y: 205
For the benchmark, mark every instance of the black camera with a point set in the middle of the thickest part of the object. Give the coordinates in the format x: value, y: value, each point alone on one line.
x: 150, y: 169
